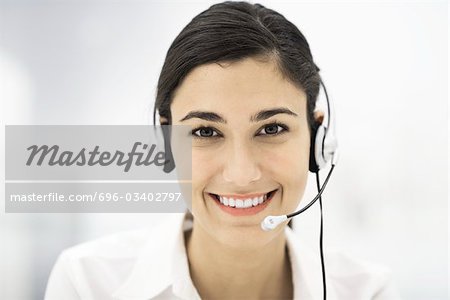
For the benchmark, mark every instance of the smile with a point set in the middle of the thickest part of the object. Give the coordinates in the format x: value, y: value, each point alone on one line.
x: 239, y: 202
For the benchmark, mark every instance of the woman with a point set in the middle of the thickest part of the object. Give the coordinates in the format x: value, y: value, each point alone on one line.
x: 243, y: 78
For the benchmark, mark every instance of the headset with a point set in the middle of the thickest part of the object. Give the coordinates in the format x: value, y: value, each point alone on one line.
x: 323, y: 149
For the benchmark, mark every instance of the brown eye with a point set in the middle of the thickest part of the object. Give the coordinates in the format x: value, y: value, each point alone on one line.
x: 273, y: 129
x: 204, y: 132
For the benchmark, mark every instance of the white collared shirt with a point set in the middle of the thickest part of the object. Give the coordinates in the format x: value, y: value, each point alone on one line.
x: 152, y: 264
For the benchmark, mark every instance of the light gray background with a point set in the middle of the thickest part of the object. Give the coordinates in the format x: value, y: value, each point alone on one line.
x: 384, y: 63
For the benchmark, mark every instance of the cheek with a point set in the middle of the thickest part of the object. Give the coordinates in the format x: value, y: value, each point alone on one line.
x: 291, y: 159
x: 289, y: 166
x: 204, y: 167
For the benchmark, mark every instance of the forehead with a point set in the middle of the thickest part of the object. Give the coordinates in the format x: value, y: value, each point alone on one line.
x: 239, y: 87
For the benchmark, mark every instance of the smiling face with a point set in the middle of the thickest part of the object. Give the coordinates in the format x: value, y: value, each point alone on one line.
x: 250, y: 137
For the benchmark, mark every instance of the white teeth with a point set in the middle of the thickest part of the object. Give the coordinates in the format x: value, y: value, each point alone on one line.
x: 243, y: 203
x: 248, y: 203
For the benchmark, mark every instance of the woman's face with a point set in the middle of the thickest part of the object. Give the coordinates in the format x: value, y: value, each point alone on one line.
x: 254, y: 140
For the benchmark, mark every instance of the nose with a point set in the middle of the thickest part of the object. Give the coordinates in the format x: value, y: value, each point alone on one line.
x: 241, y: 165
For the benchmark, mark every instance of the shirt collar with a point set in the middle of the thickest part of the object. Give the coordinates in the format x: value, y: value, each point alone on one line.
x: 165, y: 250
x: 305, y: 269
x: 144, y: 281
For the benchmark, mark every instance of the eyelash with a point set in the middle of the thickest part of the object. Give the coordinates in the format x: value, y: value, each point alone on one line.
x: 283, y: 126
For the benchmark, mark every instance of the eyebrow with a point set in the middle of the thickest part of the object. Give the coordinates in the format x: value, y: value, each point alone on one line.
x: 260, y: 116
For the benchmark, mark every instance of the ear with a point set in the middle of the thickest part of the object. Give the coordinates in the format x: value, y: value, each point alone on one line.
x: 163, y: 120
x: 319, y: 115
x: 169, y: 164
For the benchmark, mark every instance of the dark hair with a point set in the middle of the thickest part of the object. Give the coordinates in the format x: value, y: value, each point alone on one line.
x: 231, y: 31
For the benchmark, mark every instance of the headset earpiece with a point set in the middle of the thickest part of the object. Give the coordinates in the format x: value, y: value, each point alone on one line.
x: 324, y: 147
x: 312, y: 149
x: 169, y: 163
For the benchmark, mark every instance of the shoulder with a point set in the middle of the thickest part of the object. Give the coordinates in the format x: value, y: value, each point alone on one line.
x: 350, y: 270
x: 94, y: 269
x: 97, y: 269
x: 357, y: 278
x: 347, y: 276
x: 117, y: 245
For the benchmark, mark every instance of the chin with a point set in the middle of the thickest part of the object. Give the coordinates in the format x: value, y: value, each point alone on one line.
x: 246, y: 237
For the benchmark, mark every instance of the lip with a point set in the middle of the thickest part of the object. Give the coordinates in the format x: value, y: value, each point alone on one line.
x: 243, y: 196
x: 244, y: 211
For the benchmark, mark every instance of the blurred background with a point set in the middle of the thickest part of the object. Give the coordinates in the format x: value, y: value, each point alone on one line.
x: 385, y: 65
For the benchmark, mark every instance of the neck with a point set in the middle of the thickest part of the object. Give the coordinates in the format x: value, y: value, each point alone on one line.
x: 221, y: 271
